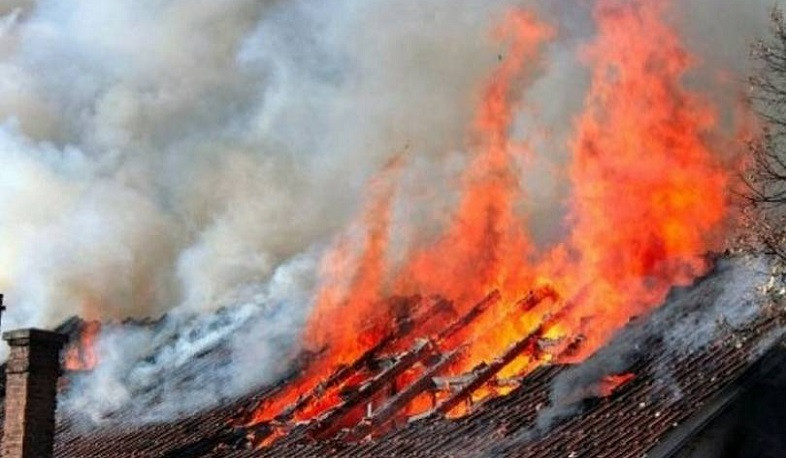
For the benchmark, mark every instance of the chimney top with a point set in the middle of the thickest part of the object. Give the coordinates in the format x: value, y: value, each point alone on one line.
x: 24, y: 336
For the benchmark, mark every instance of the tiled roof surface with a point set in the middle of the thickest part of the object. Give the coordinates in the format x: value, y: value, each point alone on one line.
x: 672, y: 384
x: 626, y: 424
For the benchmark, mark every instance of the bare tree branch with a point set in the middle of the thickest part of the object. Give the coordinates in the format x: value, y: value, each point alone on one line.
x: 764, y: 191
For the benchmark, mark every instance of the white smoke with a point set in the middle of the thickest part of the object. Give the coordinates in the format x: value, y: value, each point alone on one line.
x: 163, y: 154
x: 185, y: 362
x: 182, y: 155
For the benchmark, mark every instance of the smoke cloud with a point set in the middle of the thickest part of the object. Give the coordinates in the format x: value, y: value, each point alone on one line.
x: 180, y: 156
x: 164, y: 154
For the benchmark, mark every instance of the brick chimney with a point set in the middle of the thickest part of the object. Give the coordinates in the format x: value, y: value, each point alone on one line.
x: 31, y: 392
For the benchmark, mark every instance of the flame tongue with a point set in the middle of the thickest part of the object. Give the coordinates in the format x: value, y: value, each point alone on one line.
x: 486, y: 245
x: 81, y: 355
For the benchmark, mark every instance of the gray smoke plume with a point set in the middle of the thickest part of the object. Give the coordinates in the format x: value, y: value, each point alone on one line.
x: 196, y: 157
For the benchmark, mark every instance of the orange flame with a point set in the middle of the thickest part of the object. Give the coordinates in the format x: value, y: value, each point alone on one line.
x: 486, y: 245
x: 649, y: 199
x: 351, y: 333
x: 81, y: 355
x: 649, y: 196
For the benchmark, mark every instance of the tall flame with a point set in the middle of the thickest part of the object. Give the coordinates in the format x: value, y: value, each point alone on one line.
x: 649, y: 197
x: 487, y: 245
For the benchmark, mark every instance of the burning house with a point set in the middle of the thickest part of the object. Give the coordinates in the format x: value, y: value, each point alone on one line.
x: 554, y: 287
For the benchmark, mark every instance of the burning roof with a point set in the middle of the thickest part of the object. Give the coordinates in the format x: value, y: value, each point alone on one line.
x: 627, y: 398
x: 648, y: 200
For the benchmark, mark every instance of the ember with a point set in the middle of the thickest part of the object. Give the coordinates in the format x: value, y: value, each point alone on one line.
x: 611, y: 383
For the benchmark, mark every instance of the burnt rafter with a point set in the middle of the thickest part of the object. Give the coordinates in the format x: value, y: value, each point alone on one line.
x: 386, y: 367
x: 425, y: 382
x: 404, y: 327
x: 535, y: 297
x: 324, y: 425
x: 476, y: 311
x: 338, y: 377
x: 370, y: 359
x: 327, y: 423
x: 266, y: 429
x: 484, y: 372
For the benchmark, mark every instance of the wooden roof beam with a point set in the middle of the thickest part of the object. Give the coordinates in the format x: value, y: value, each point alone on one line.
x: 325, y: 425
x: 425, y: 382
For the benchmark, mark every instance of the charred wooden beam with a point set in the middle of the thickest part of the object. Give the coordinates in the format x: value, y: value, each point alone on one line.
x: 410, y: 312
x: 403, y: 328
x: 535, y: 297
x: 327, y: 423
x: 380, y: 362
x: 476, y: 311
x: 532, y: 299
x: 367, y: 359
x: 399, y: 401
x: 484, y: 372
x: 338, y: 377
x: 405, y: 324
